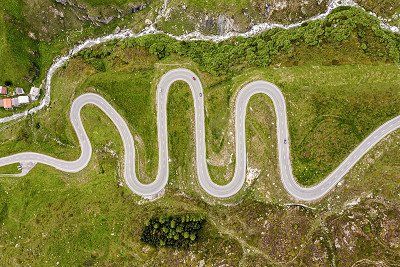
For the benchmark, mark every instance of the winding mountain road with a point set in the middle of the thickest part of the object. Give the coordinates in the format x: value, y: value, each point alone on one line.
x: 243, y: 97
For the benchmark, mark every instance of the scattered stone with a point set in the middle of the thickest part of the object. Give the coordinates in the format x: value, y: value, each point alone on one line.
x: 64, y: 2
x: 137, y: 8
x: 106, y: 20
x: 252, y: 174
x: 209, y: 22
x: 225, y: 24
x: 32, y: 35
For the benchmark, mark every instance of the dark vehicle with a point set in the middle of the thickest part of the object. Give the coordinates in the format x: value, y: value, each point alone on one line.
x: 285, y: 141
x: 193, y: 78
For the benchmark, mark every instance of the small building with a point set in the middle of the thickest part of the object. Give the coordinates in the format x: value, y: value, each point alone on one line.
x: 14, y: 102
x: 24, y: 99
x: 3, y: 90
x: 19, y: 91
x: 34, y: 93
x: 7, y: 103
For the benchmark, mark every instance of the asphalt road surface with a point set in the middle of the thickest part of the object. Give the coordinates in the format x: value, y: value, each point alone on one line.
x: 230, y: 189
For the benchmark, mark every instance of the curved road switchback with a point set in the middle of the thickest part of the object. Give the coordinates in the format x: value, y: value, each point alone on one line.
x: 221, y: 191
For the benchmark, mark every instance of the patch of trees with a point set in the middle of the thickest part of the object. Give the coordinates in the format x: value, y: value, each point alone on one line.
x: 259, y: 51
x: 173, y: 230
x: 230, y: 56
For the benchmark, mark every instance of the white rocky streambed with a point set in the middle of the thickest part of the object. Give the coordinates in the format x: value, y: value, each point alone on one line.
x: 193, y: 36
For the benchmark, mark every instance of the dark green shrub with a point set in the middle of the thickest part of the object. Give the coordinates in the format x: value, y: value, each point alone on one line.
x: 173, y: 230
x: 230, y: 56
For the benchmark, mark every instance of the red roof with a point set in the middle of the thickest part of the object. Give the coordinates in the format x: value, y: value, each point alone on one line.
x: 3, y: 90
x: 7, y: 103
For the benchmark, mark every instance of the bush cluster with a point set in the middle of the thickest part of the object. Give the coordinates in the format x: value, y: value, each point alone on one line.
x: 173, y: 230
x: 258, y: 51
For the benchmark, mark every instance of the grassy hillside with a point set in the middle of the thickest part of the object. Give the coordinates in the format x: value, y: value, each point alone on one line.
x: 33, y: 33
x: 340, y: 80
x: 89, y: 219
x: 326, y: 115
x: 17, y: 51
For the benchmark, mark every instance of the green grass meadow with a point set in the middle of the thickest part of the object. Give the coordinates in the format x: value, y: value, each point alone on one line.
x: 337, y: 93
